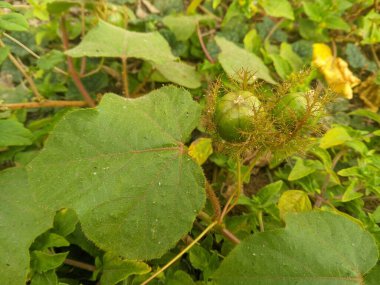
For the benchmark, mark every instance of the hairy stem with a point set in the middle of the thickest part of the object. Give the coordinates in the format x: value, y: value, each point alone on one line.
x: 214, y: 201
x: 179, y: 255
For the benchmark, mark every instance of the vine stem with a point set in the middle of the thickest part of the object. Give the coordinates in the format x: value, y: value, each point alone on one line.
x: 19, y: 65
x: 274, y: 28
x: 203, y: 46
x: 74, y: 75
x: 179, y: 255
x: 79, y: 264
x: 206, y: 218
x: 43, y: 104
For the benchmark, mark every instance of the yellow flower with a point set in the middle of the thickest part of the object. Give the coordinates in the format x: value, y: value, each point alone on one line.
x: 335, y: 70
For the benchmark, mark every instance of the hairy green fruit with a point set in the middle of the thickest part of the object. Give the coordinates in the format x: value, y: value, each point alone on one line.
x: 290, y: 109
x: 234, y: 115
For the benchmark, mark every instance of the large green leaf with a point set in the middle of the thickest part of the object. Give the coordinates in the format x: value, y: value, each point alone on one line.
x: 21, y: 220
x: 106, y: 40
x: 125, y: 171
x: 233, y: 59
x: 314, y: 248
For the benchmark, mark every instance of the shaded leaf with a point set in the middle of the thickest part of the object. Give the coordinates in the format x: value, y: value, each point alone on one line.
x: 314, y: 248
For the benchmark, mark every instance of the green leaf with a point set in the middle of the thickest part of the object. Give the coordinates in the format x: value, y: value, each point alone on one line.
x: 4, y: 51
x: 13, y: 22
x: 116, y: 269
x: 14, y: 133
x: 336, y: 23
x: 303, y: 168
x: 44, y: 261
x: 106, y: 40
x: 370, y: 28
x: 350, y: 193
x: 333, y: 137
x: 124, y: 169
x: 183, y: 26
x: 351, y: 171
x: 45, y: 278
x: 268, y: 193
x: 47, y: 240
x: 50, y: 60
x: 252, y: 42
x: 314, y: 248
x: 234, y: 59
x: 180, y: 73
x: 179, y: 278
x: 21, y: 220
x: 65, y: 222
x: 282, y: 66
x: 287, y: 53
x: 278, y: 8
x: 293, y: 201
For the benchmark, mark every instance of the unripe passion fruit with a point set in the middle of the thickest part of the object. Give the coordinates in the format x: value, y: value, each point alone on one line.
x: 234, y: 115
x: 290, y: 109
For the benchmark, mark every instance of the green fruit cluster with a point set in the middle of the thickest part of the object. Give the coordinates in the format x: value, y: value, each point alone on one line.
x: 235, y: 113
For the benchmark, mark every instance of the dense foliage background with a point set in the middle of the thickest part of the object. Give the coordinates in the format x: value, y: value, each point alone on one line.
x: 99, y: 188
